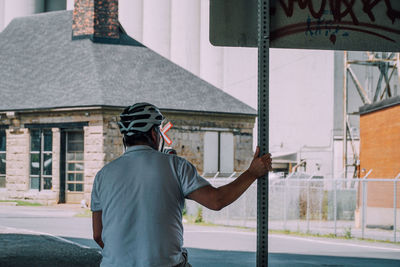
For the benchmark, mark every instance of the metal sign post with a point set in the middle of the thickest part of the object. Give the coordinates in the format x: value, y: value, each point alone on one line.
x: 263, y: 129
x: 345, y: 25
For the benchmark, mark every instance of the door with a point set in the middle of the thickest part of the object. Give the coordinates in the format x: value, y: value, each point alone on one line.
x: 74, y: 166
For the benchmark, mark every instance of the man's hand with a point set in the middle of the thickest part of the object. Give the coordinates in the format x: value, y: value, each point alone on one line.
x: 260, y: 165
x: 218, y: 198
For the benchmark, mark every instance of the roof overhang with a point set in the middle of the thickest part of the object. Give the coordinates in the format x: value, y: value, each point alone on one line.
x: 108, y: 107
x: 387, y: 103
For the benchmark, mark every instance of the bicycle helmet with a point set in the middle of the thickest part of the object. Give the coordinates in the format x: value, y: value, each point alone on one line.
x: 139, y: 118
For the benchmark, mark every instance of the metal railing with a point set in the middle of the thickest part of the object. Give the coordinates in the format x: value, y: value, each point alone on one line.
x: 336, y: 207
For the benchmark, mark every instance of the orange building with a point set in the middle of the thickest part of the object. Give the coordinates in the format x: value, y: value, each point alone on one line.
x: 380, y: 152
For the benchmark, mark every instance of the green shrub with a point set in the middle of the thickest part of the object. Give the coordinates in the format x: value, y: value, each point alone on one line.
x: 199, y: 216
x: 184, y: 211
x: 347, y: 233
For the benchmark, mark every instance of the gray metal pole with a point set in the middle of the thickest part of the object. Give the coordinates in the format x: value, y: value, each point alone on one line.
x: 285, y: 204
x: 363, y: 208
x: 335, y: 206
x: 395, y: 208
x: 263, y: 129
x: 345, y: 58
x: 308, y: 205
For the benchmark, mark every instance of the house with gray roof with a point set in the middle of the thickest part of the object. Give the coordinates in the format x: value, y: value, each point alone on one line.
x: 65, y: 78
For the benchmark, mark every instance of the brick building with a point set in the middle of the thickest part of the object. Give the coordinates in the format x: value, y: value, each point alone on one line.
x: 380, y: 152
x: 62, y: 91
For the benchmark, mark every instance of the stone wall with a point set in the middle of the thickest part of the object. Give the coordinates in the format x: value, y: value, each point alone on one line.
x: 189, y: 129
x: 18, y: 154
x: 103, y: 143
x: 243, y: 150
x: 94, y: 155
x: 17, y: 175
x: 113, y: 145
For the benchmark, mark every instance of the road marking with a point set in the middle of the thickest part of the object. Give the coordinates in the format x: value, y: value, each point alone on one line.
x: 296, y: 238
x: 332, y: 243
x: 50, y: 235
x: 221, y: 232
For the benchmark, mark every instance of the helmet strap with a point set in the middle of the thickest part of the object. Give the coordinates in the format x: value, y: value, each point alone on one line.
x: 124, y: 142
x: 162, y: 146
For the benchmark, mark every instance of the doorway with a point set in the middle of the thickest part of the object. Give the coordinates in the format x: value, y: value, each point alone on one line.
x: 72, y: 180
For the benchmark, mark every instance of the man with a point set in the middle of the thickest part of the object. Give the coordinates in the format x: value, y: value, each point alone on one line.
x: 137, y: 199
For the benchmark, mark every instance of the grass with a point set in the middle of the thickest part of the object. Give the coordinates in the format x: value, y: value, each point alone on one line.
x: 85, y: 213
x: 192, y: 220
x: 23, y: 203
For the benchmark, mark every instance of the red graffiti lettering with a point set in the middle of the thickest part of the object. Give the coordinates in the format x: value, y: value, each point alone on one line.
x: 303, y: 4
x: 369, y: 5
x: 339, y: 9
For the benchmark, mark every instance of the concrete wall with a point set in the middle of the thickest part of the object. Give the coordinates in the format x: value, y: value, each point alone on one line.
x: 10, y: 9
x: 381, y: 217
x: 337, y: 161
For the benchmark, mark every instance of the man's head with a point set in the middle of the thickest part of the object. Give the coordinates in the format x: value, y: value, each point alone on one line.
x: 140, y: 125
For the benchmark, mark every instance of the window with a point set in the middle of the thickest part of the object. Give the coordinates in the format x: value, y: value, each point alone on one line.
x: 218, y: 152
x: 75, y: 166
x: 41, y: 159
x: 2, y: 158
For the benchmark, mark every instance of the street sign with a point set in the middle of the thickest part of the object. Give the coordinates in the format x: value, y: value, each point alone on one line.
x: 358, y: 25
x: 164, y: 131
x: 233, y: 23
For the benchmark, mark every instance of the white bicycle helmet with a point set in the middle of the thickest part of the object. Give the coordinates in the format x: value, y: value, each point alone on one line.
x: 139, y: 118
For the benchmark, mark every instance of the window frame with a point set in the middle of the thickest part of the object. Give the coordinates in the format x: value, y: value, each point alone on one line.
x: 75, y: 172
x: 219, y: 151
x: 4, y: 152
x: 42, y: 176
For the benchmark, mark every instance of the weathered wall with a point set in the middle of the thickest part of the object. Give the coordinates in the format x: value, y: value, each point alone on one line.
x: 103, y: 143
x: 17, y: 176
x: 18, y: 156
x: 188, y: 136
x: 93, y: 155
x: 113, y: 146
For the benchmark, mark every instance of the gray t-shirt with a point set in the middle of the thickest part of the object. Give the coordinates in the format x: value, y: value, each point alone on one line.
x: 141, y: 196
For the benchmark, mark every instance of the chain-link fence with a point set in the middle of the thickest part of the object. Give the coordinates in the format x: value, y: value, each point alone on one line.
x: 364, y: 208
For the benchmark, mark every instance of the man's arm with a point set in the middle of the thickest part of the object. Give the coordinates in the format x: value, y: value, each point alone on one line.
x: 97, y: 225
x: 218, y: 198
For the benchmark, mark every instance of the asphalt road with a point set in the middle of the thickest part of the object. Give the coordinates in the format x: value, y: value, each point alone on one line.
x: 208, y: 246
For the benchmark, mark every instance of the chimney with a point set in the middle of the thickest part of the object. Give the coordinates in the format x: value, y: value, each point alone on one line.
x: 95, y: 19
